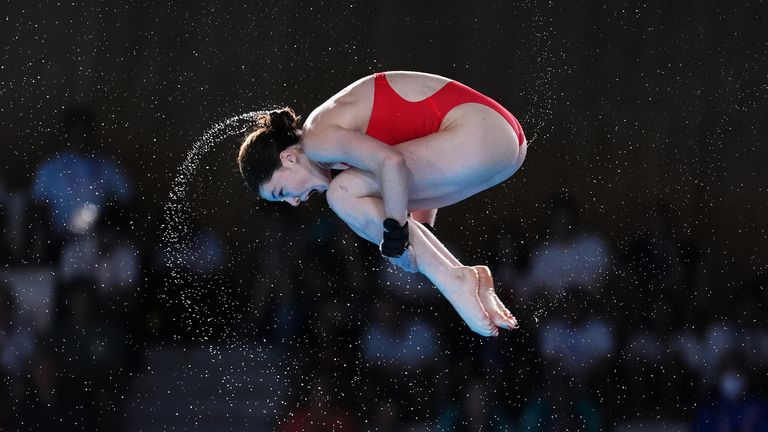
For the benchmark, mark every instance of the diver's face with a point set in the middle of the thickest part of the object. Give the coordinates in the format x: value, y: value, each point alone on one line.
x: 294, y: 182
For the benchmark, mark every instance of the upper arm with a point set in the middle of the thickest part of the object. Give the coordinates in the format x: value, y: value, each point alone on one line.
x: 335, y: 144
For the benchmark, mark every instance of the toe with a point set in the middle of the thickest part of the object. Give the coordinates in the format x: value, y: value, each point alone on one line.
x: 487, y: 329
x: 513, y: 323
x: 507, y: 314
x: 490, y: 325
x: 500, y: 320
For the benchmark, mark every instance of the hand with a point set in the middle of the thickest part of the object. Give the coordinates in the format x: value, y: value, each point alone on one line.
x: 406, y: 261
x: 394, y: 238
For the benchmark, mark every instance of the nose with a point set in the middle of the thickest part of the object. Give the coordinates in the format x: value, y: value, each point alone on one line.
x: 293, y: 201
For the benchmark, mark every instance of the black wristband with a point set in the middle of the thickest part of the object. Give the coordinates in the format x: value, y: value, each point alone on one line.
x: 429, y: 227
x: 395, y: 238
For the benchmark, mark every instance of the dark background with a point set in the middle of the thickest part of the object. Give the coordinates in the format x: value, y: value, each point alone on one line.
x: 624, y: 104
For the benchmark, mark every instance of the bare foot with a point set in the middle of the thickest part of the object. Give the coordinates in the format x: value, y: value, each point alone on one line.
x: 464, y: 298
x: 498, y: 313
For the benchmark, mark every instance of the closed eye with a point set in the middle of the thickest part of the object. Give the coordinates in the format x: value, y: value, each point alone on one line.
x: 277, y: 197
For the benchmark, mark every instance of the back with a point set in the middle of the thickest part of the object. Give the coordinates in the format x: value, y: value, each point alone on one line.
x: 351, y: 107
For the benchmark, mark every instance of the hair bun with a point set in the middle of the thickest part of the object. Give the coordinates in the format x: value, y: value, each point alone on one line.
x: 282, y: 120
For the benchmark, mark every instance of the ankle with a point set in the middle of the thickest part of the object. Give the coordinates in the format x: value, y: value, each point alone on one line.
x: 462, y: 273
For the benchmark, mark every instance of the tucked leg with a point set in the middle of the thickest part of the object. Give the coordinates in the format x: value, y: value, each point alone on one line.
x: 459, y: 284
x: 496, y: 310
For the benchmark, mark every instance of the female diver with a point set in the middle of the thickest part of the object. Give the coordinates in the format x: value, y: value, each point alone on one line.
x: 408, y: 143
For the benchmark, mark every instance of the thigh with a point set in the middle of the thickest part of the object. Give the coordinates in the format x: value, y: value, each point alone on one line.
x: 479, y: 149
x: 436, y: 201
x: 452, y: 164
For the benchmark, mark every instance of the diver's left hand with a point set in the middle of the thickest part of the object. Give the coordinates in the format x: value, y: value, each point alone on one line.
x: 406, y: 261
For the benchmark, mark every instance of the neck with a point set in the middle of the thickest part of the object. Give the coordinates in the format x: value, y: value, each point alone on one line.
x: 323, y: 166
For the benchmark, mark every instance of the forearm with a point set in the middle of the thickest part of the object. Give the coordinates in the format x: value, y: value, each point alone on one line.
x: 393, y: 178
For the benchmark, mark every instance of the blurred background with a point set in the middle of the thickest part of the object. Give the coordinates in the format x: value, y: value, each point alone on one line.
x: 630, y: 246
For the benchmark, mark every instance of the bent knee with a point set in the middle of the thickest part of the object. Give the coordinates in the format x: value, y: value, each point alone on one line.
x: 348, y: 185
x: 341, y: 199
x: 337, y: 197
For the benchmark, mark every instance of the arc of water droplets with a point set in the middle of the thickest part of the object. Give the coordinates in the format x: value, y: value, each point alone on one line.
x: 176, y: 245
x: 173, y: 229
x: 176, y: 224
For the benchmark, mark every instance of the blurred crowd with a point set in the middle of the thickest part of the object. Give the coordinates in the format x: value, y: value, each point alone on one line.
x: 620, y: 330
x: 69, y: 292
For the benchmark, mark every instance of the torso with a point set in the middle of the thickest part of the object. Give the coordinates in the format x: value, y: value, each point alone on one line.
x: 351, y: 107
x: 470, y: 145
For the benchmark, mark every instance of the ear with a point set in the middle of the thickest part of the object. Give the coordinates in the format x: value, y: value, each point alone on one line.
x: 288, y: 156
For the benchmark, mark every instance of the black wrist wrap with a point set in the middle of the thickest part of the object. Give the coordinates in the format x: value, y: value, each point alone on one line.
x: 395, y: 238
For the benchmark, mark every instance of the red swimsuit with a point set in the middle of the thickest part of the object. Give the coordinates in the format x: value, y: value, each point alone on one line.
x: 395, y: 120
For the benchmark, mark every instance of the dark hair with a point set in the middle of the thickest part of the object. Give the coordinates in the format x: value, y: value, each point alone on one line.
x: 259, y: 155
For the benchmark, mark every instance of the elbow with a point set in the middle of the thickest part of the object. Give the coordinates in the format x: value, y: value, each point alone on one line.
x: 393, y: 167
x: 394, y: 160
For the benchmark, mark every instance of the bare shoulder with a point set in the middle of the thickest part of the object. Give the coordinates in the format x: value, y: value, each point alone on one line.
x: 349, y: 108
x: 322, y: 139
